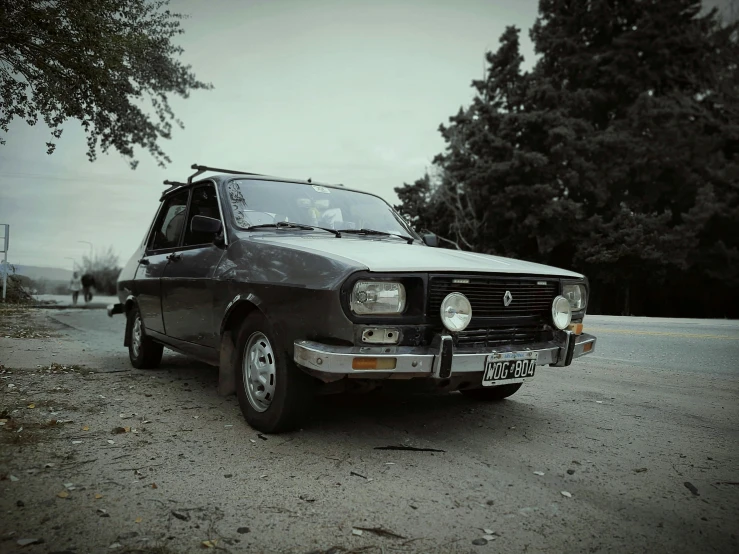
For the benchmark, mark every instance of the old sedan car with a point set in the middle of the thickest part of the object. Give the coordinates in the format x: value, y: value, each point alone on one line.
x: 294, y: 288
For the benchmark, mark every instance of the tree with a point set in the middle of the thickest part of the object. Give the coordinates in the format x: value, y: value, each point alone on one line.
x: 105, y: 269
x: 98, y: 62
x: 616, y: 155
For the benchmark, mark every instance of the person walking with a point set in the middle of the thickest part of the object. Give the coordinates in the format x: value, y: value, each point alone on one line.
x: 75, y: 284
x: 88, y: 281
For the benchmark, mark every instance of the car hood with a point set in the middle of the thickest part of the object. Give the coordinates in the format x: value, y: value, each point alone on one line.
x: 393, y: 255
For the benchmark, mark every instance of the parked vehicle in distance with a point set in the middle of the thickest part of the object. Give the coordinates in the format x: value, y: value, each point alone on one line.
x: 294, y: 288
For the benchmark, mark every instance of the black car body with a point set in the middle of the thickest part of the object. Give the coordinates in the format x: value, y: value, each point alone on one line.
x: 242, y: 271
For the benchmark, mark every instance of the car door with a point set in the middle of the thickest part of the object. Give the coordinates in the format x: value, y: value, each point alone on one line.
x: 162, y: 243
x: 187, y: 283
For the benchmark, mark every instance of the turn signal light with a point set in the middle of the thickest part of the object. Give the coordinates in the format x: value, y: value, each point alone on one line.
x: 575, y: 328
x: 587, y: 348
x: 374, y: 363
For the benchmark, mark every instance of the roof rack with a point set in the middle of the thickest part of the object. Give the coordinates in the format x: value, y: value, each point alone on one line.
x: 200, y: 169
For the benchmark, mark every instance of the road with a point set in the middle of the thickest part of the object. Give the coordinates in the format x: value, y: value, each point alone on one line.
x: 642, y: 435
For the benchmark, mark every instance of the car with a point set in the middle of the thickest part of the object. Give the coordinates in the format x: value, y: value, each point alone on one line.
x: 294, y: 288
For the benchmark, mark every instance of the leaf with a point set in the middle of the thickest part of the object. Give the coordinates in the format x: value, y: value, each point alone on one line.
x: 209, y: 544
x: 567, y: 494
x: 154, y: 486
x: 98, y: 496
x: 62, y: 494
x: 85, y: 428
x: 31, y: 406
x: 138, y: 519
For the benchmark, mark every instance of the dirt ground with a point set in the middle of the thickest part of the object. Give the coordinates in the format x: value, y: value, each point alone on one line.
x: 98, y: 457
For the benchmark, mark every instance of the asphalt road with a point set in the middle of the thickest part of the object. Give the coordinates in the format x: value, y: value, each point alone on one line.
x: 642, y: 436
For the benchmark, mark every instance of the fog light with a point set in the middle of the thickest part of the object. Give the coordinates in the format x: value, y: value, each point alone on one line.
x: 374, y: 363
x: 456, y: 312
x: 561, y: 312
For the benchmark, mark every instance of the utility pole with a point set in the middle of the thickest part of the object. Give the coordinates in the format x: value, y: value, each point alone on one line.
x: 88, y: 242
x: 4, y: 245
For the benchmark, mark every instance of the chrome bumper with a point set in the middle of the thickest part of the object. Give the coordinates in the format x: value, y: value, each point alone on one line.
x: 437, y: 361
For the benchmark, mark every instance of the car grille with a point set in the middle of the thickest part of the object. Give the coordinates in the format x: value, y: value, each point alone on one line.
x: 524, y: 320
x: 486, y: 295
x: 503, y: 335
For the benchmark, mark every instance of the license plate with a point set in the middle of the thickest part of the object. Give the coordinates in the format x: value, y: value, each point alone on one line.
x: 505, y: 366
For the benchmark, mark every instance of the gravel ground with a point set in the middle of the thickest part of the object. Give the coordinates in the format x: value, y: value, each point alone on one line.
x: 608, y: 455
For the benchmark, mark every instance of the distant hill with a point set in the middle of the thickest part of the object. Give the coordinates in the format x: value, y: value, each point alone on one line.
x: 48, y: 273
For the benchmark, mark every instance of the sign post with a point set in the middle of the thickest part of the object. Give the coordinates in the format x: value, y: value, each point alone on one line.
x: 4, y: 245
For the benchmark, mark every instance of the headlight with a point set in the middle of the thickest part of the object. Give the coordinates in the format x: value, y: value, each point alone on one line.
x: 576, y: 295
x: 456, y: 312
x: 378, y: 297
x: 561, y: 312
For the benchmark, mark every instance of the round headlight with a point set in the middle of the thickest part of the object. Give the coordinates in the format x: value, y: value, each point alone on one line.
x: 561, y: 312
x: 456, y: 312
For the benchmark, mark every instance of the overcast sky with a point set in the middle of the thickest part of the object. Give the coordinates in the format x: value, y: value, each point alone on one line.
x: 349, y: 91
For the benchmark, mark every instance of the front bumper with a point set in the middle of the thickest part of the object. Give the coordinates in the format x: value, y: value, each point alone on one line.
x: 440, y: 361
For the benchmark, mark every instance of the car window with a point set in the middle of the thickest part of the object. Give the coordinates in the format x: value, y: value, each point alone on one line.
x: 203, y: 202
x: 256, y: 202
x: 168, y: 228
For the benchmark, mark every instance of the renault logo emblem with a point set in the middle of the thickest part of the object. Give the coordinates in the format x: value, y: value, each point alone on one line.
x: 507, y: 298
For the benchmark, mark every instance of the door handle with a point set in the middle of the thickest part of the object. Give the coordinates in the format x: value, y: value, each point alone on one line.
x: 174, y: 257
x: 144, y: 261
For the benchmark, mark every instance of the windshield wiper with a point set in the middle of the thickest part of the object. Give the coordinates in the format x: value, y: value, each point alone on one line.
x: 291, y: 225
x: 408, y: 239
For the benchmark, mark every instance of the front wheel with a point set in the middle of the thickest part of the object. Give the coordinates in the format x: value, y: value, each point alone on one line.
x: 492, y: 393
x: 273, y: 393
x: 143, y: 352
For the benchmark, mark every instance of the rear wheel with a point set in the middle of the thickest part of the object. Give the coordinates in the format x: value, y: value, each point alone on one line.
x: 143, y: 352
x: 492, y: 393
x: 273, y: 393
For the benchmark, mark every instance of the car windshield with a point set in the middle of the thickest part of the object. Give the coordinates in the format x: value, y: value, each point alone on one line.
x: 255, y: 202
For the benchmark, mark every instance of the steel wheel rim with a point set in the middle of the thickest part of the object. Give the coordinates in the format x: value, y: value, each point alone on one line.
x: 259, y: 372
x: 136, y: 336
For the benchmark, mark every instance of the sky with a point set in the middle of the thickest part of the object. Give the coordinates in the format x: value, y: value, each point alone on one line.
x: 348, y: 92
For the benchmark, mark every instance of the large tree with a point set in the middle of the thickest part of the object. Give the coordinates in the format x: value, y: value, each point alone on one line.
x: 617, y: 154
x: 109, y: 64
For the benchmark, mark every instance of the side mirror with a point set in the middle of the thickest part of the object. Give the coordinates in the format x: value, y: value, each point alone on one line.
x: 430, y: 239
x: 203, y: 224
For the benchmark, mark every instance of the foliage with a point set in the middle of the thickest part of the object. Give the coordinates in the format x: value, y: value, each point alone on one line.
x: 96, y: 61
x: 17, y: 287
x: 103, y: 266
x: 616, y: 155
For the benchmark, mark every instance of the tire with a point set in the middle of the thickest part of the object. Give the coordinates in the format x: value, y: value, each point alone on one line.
x: 276, y: 402
x: 492, y: 394
x: 143, y: 352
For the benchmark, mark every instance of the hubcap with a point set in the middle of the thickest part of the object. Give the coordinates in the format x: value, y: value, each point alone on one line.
x: 259, y: 371
x: 136, y: 336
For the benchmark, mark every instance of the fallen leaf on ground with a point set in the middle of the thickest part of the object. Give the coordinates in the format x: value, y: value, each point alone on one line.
x: 139, y: 519
x: 209, y: 544
x: 98, y: 496
x: 31, y: 407
x: 380, y: 532
x: 567, y: 494
x: 488, y: 537
x: 13, y: 478
x: 488, y: 531
x: 62, y: 494
x: 154, y: 486
x: 111, y: 442
x: 85, y: 428
x: 120, y: 430
x: 538, y: 473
